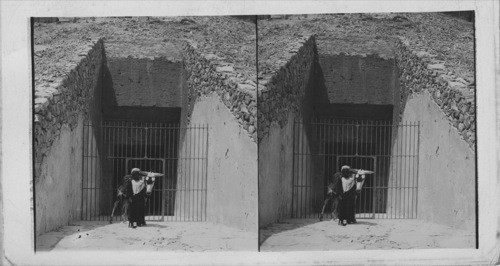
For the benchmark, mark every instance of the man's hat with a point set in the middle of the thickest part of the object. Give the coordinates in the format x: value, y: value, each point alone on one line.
x: 345, y: 167
x: 135, y: 170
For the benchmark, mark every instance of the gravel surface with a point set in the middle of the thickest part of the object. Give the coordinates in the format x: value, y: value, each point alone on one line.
x: 310, y: 234
x: 160, y: 236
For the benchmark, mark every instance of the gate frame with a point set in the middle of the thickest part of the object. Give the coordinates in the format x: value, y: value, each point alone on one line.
x: 412, y: 134
x: 90, y: 146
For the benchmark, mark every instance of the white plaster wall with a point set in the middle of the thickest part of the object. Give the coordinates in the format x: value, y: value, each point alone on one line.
x: 446, y: 193
x: 232, y: 166
x: 58, y: 188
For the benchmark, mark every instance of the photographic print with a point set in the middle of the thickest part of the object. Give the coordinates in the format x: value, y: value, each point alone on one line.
x: 367, y: 132
x: 145, y: 133
x: 249, y: 132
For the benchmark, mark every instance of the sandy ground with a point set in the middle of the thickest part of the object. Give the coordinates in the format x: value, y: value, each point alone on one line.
x: 161, y: 236
x: 311, y: 234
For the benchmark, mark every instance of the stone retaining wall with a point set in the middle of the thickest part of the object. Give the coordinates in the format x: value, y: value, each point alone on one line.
x: 420, y: 70
x: 61, y: 102
x: 209, y: 73
x: 284, y: 92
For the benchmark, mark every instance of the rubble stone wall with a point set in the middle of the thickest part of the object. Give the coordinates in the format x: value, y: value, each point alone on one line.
x: 284, y: 92
x: 61, y: 103
x: 61, y: 110
x: 420, y: 70
x: 215, y: 94
x: 207, y: 73
x: 283, y: 98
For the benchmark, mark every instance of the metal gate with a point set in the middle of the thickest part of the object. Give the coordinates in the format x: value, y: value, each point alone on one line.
x: 113, y: 148
x: 322, y: 146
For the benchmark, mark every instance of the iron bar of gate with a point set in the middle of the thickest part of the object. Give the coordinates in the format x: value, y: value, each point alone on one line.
x: 148, y: 140
x: 397, y: 159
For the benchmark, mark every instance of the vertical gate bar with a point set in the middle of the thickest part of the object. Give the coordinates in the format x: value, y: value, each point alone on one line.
x: 383, y: 169
x: 88, y: 201
x: 306, y: 171
x: 180, y: 170
x: 94, y: 173
x: 299, y: 171
x: 418, y: 169
x: 199, y: 179
x: 190, y: 164
x: 293, y: 167
x: 188, y: 178
x: 410, y: 183
x: 111, y: 136
x: 390, y: 151
x: 184, y: 167
x: 166, y: 169
x: 83, y: 169
x: 169, y: 177
x: 108, y: 189
x: 393, y: 167
x: 415, y: 169
x: 183, y: 180
x: 383, y: 175
x: 102, y: 189
x: 193, y: 174
x: 392, y: 146
x: 326, y: 157
x: 306, y: 179
x: 388, y: 157
x: 400, y: 169
x: 396, y: 176
x: 398, y: 154
x: 176, y: 146
x: 164, y: 180
x: 197, y: 171
x: 415, y: 161
x: 387, y: 151
x: 412, y: 169
x: 376, y: 178
x: 206, y: 169
x: 301, y: 178
x: 405, y: 168
x: 408, y: 169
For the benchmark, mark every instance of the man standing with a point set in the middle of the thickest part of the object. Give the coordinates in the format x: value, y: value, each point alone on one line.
x: 347, y: 204
x: 137, y: 199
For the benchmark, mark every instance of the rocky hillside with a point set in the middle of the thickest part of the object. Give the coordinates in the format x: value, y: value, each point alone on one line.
x: 59, y: 47
x: 450, y: 39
